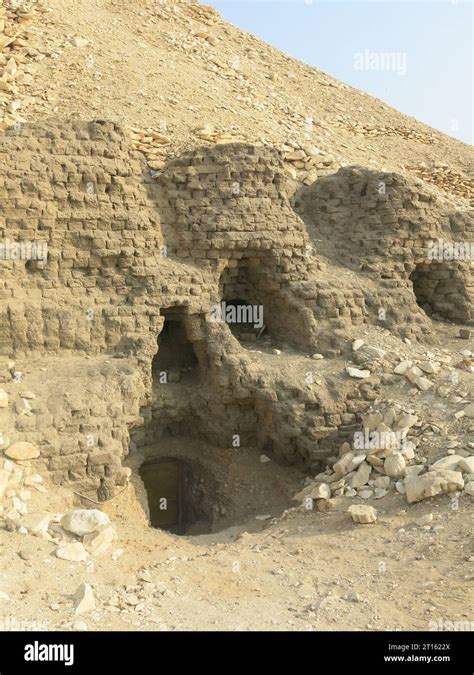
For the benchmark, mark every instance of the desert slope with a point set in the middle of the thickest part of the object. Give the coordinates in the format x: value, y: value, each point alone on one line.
x: 179, y: 69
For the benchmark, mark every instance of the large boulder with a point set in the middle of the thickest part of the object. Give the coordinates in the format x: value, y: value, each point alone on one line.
x: 432, y: 483
x: 84, y: 521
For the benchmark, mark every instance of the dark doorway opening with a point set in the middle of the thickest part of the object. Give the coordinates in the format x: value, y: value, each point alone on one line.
x: 244, y: 319
x: 424, y: 288
x: 176, y: 356
x: 440, y: 290
x: 173, y: 495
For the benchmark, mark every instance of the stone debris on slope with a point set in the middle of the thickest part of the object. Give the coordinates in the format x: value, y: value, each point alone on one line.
x: 17, y: 59
x: 384, y: 455
x: 446, y: 179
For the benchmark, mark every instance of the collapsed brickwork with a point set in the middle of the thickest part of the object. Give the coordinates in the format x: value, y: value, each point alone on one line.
x: 132, y: 255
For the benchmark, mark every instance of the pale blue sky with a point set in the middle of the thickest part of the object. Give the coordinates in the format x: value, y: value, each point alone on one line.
x: 434, y: 40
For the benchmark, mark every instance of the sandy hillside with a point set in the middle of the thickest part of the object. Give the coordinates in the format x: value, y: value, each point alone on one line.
x: 177, y: 68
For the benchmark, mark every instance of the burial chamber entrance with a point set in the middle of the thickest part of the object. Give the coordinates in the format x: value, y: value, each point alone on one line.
x: 175, y: 496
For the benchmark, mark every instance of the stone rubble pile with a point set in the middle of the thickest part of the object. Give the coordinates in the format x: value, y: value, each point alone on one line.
x: 360, y: 129
x: 158, y: 145
x: 306, y: 162
x: 152, y: 143
x: 17, y: 57
x: 384, y: 456
x: 445, y: 179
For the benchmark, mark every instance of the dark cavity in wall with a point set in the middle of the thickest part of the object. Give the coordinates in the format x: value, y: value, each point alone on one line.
x: 439, y: 288
x: 176, y: 357
x: 241, y: 305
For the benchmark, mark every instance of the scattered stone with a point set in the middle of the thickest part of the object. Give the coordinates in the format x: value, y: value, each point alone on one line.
x: 413, y: 373
x: 373, y: 460
x: 404, y: 422
x: 400, y: 487
x: 12, y: 520
x: 27, y: 554
x: 84, y: 600
x: 394, y: 465
x: 370, y: 353
x: 361, y: 476
x: 371, y: 421
x: 423, y: 383
x: 324, y: 505
x: 432, y: 483
x: 74, y: 552
x: 84, y: 521
x: 449, y: 462
x: 362, y: 513
x: 380, y: 492
x: 464, y: 333
x: 429, y: 367
x: 357, y: 344
x: 264, y: 459
x: 344, y: 465
x: 469, y: 410
x: 414, y: 469
x: 321, y: 491
x: 402, y: 367
x: 466, y: 464
x: 99, y: 542
x: 79, y: 42
x: 358, y: 374
x: 365, y: 494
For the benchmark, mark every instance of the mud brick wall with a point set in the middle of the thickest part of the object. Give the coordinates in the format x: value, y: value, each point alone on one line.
x: 216, y: 224
x: 384, y: 225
